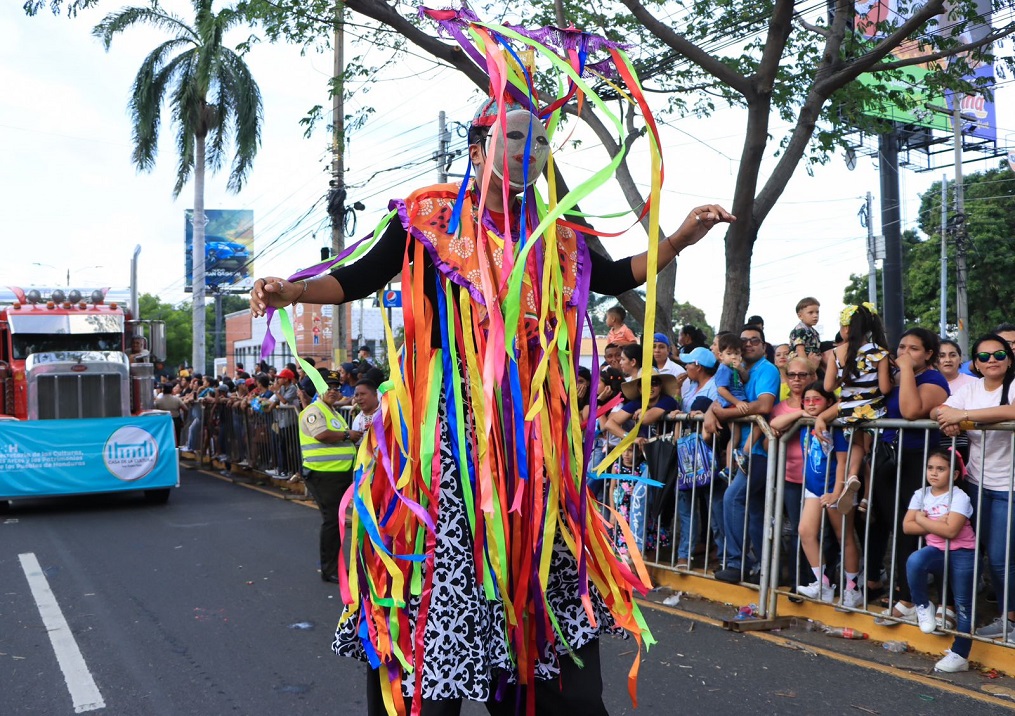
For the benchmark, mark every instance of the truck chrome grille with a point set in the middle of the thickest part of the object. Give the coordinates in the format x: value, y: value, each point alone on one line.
x: 63, y: 396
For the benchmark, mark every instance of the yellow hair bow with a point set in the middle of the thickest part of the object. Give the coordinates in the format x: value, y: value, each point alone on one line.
x: 848, y: 311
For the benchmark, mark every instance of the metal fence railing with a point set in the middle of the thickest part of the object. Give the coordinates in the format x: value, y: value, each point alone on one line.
x: 698, y: 511
x: 238, y: 433
x: 747, y: 514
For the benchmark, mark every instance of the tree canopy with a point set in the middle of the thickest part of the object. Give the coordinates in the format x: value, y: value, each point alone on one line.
x: 775, y: 59
x: 990, y: 223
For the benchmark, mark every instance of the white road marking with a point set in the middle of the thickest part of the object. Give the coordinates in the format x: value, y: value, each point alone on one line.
x: 83, y: 691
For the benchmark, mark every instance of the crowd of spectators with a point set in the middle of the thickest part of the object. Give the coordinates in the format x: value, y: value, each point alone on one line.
x: 211, y: 411
x: 837, y: 466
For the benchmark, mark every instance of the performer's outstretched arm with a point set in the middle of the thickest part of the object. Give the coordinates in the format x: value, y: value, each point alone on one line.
x: 367, y: 275
x: 698, y: 223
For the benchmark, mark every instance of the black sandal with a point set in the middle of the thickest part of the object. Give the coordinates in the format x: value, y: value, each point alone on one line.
x: 876, y: 593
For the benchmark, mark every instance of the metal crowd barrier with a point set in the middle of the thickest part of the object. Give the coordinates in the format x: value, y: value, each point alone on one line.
x: 264, y: 440
x: 687, y: 517
x: 891, y: 474
x: 669, y: 532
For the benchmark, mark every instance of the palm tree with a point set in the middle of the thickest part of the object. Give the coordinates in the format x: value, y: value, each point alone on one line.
x: 212, y: 95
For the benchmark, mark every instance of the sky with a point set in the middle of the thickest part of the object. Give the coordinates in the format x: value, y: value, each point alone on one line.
x: 73, y: 201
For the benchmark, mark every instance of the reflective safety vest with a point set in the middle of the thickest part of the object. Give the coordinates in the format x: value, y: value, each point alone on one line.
x: 326, y: 457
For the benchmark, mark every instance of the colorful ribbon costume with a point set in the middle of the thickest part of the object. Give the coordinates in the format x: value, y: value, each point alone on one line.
x: 472, y: 530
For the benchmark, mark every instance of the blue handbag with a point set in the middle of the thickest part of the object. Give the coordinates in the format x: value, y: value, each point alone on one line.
x: 694, y: 462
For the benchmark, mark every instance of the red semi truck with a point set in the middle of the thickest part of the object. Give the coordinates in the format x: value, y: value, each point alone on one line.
x: 77, y: 394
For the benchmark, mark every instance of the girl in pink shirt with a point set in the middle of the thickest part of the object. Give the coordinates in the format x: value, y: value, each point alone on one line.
x: 940, y: 514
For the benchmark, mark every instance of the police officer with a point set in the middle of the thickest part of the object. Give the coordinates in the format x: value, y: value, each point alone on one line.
x: 328, y: 456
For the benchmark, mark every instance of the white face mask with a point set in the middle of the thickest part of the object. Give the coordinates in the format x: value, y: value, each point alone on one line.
x: 518, y: 122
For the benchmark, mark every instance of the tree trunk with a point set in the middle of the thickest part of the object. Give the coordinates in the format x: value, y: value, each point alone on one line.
x: 198, y: 256
x: 740, y: 240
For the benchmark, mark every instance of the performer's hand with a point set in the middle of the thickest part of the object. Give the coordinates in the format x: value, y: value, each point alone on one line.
x: 698, y: 223
x: 271, y: 291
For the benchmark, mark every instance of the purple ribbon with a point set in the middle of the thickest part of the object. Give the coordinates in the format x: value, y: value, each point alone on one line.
x: 268, y: 345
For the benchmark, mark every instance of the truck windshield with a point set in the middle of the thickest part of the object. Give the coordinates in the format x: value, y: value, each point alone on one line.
x: 26, y: 344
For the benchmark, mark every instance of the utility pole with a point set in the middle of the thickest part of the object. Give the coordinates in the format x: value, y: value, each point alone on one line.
x: 337, y: 194
x: 894, y: 308
x: 958, y: 225
x: 943, y: 330
x: 872, y: 266
x: 443, y: 144
x: 218, y: 323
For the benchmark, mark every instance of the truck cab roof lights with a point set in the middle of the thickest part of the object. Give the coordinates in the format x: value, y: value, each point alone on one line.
x: 50, y: 305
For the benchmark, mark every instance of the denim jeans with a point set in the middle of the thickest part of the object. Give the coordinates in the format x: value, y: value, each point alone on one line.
x: 746, y: 494
x: 689, y: 523
x: 598, y: 486
x: 996, y: 539
x: 792, y: 555
x: 931, y: 560
x: 194, y: 434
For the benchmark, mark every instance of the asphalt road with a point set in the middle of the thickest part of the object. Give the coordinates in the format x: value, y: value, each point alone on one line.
x: 212, y: 604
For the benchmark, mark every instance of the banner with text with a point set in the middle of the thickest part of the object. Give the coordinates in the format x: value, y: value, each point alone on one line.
x: 228, y: 249
x: 876, y: 19
x: 45, y: 458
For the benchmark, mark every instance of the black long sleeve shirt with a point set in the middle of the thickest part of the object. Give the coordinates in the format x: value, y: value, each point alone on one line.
x: 383, y: 261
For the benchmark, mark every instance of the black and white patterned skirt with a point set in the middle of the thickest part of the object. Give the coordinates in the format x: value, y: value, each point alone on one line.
x: 466, y: 651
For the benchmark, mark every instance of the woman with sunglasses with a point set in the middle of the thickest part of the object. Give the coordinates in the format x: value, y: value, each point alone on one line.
x: 990, y: 466
x: 798, y: 374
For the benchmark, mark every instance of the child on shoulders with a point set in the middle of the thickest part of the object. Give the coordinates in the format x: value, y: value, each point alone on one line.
x: 861, y: 366
x: 619, y: 333
x: 804, y: 339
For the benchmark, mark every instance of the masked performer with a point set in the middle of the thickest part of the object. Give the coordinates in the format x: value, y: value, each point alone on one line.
x: 480, y: 569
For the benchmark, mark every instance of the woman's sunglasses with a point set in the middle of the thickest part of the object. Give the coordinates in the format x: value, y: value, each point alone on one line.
x: 798, y: 376
x: 985, y: 357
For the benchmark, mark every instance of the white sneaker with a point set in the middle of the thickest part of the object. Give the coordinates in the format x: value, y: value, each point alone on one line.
x: 851, y: 598
x: 817, y: 590
x: 887, y: 618
x: 952, y: 663
x: 925, y: 616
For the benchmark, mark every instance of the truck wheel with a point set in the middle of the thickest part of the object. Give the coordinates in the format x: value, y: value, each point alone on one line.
x: 157, y: 497
x: 5, y: 506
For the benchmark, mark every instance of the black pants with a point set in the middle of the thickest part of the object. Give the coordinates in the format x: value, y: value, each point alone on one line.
x: 884, y: 497
x: 327, y: 489
x: 578, y: 692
